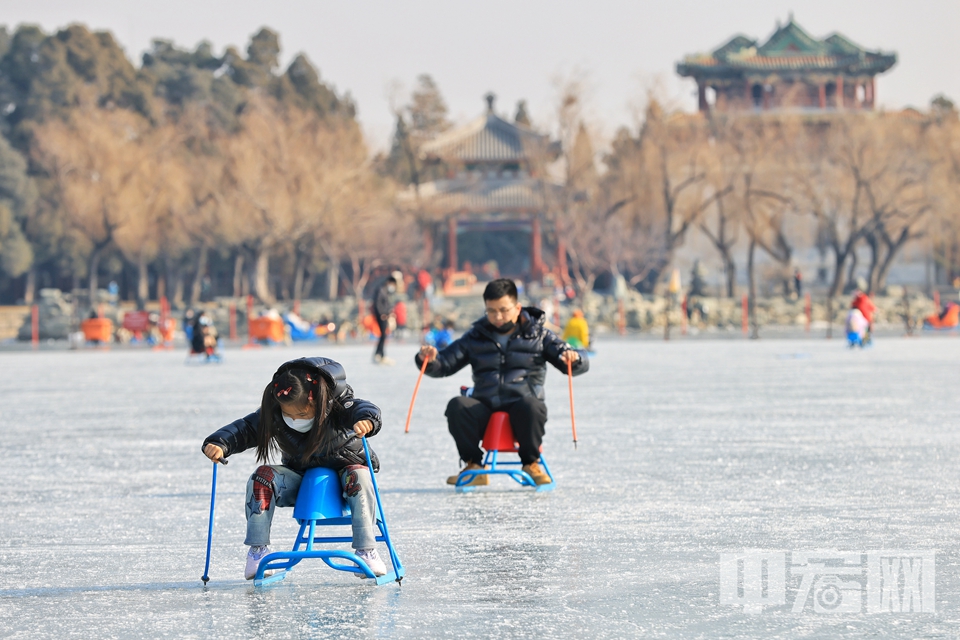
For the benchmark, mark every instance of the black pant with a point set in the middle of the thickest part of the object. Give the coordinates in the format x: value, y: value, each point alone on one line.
x: 467, y: 419
x: 383, y: 336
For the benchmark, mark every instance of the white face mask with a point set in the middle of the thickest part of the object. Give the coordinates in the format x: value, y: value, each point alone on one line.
x: 299, y: 425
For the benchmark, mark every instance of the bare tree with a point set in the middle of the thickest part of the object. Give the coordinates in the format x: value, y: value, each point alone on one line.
x: 897, y: 189
x: 722, y: 222
x: 661, y: 177
x: 100, y: 165
x: 827, y: 170
x: 255, y: 174
x: 328, y: 170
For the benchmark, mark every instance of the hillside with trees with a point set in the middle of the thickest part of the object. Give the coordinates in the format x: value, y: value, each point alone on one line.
x: 196, y: 171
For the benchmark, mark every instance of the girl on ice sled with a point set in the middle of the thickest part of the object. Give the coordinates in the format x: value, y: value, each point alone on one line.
x: 309, y: 414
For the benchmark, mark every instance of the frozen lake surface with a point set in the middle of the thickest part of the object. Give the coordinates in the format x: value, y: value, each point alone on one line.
x: 690, y: 454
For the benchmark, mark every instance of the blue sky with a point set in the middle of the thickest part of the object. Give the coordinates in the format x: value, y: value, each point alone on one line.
x: 375, y: 49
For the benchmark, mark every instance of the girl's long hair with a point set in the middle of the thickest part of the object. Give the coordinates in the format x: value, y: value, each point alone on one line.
x: 296, y: 388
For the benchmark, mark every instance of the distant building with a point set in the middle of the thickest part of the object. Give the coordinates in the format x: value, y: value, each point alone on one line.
x: 492, y: 199
x: 791, y: 70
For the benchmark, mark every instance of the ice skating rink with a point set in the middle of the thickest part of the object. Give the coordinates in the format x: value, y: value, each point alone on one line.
x: 695, y: 458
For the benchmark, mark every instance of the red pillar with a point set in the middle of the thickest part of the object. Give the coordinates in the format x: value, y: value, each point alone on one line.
x: 452, y: 262
x: 871, y: 93
x: 683, y: 316
x: 702, y: 96
x: 428, y: 243
x: 233, y: 321
x: 251, y: 344
x: 536, y: 249
x: 35, y: 326
x: 564, y: 272
x: 747, y: 95
x: 839, y: 92
x: 745, y: 313
x: 823, y: 95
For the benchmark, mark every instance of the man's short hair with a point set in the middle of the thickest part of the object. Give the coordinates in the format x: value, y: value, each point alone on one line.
x: 496, y: 289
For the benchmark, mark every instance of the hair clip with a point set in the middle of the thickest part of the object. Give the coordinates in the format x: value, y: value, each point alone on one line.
x: 285, y: 392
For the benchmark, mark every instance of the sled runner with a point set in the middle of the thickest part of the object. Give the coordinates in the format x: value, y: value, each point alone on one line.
x: 497, y: 439
x: 320, y: 503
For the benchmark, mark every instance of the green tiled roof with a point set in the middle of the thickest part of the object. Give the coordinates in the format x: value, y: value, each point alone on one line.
x: 790, y: 48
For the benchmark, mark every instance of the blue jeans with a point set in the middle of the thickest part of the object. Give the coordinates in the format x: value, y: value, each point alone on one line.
x: 273, y: 486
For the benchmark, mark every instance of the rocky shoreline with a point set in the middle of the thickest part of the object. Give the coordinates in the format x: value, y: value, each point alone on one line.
x: 634, y: 313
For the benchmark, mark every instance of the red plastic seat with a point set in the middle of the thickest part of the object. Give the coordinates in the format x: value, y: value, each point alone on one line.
x: 497, y: 439
x: 499, y: 434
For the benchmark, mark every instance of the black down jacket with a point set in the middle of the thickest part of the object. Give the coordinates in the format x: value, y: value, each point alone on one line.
x: 381, y: 302
x: 345, y: 449
x: 501, y: 376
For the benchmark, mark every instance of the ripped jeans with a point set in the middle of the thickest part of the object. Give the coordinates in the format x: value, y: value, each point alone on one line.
x: 273, y: 486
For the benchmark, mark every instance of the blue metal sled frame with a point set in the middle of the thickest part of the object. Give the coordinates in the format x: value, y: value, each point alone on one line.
x: 283, y: 561
x: 491, y: 460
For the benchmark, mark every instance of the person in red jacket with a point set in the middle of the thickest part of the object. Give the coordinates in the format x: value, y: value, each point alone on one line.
x: 864, y: 304
x: 400, y: 315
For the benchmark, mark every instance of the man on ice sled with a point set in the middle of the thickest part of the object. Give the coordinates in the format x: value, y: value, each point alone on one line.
x: 508, y: 350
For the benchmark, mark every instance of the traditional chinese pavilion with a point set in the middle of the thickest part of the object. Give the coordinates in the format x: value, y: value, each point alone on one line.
x: 789, y: 70
x: 491, y: 203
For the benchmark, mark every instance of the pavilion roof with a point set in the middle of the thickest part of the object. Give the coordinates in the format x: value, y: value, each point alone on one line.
x: 488, y: 138
x: 478, y: 194
x: 789, y: 49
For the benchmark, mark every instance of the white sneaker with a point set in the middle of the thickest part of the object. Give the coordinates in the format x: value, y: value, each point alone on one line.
x: 254, y: 556
x: 372, y: 558
x: 386, y: 361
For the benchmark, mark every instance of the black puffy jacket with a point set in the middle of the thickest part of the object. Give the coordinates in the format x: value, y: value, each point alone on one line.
x: 501, y: 376
x: 382, y: 304
x: 344, y: 449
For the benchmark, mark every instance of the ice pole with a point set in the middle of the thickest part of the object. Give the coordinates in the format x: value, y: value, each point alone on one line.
x: 423, y: 368
x: 213, y: 500
x: 573, y: 419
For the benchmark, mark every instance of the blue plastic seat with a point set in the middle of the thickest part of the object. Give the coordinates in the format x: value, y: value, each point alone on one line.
x: 320, y: 503
x: 320, y: 496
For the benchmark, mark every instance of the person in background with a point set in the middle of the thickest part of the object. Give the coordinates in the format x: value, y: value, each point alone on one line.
x: 204, y: 337
x: 577, y: 332
x: 440, y: 334
x: 798, y: 282
x: 400, y: 315
x: 382, y: 308
x: 188, y: 319
x: 865, y: 306
x: 856, y: 328
x: 425, y: 283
